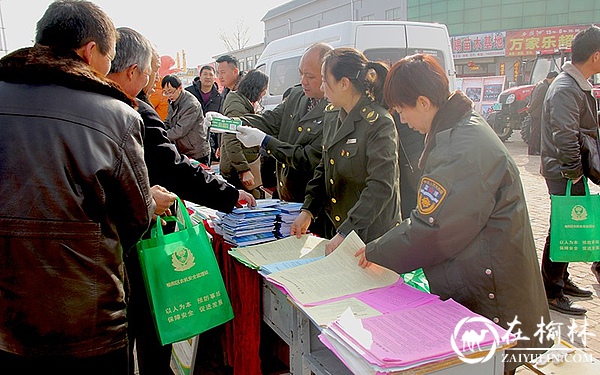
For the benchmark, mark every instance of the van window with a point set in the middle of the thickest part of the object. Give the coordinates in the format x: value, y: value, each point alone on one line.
x: 284, y: 74
x: 439, y: 55
x: 386, y: 55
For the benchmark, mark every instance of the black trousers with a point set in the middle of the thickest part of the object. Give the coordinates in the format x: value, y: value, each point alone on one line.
x: 535, y: 136
x: 113, y: 363
x: 152, y: 357
x: 554, y: 274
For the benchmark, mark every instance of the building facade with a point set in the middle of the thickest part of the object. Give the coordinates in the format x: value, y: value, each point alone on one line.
x: 488, y: 37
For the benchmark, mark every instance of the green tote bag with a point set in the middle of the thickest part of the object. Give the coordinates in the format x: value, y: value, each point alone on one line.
x: 575, y: 226
x: 184, y: 284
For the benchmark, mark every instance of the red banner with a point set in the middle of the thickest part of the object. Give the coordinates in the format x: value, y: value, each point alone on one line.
x: 541, y: 39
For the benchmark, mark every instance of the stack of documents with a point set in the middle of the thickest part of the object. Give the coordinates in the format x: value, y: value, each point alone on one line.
x: 334, y: 276
x: 412, y: 337
x: 288, y: 212
x: 248, y: 226
x: 282, y: 254
x: 370, y: 318
x: 200, y: 213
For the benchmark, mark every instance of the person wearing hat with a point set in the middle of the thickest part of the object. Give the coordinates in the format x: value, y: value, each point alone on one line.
x: 535, y: 111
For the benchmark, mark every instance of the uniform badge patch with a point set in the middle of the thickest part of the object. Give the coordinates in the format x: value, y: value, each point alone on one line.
x: 431, y: 194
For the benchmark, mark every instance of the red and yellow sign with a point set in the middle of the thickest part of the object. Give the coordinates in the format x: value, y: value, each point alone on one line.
x: 540, y: 40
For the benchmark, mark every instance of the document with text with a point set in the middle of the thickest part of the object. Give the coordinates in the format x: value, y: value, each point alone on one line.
x: 336, y: 275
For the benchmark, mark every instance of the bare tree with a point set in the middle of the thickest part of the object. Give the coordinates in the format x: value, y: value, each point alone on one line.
x: 236, y: 38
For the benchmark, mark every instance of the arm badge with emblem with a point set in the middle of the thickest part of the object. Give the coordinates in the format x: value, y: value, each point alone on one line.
x: 431, y: 194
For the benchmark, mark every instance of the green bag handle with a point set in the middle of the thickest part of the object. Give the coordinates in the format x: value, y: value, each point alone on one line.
x: 186, y: 220
x: 570, y: 185
x: 154, y: 232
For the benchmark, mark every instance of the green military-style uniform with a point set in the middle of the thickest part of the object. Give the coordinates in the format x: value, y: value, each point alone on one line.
x: 471, y: 232
x: 295, y: 143
x: 235, y: 158
x: 356, y: 181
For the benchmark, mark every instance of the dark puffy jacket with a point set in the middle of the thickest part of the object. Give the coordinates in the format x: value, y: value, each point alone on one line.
x: 75, y: 196
x: 172, y: 170
x: 214, y: 102
x: 471, y: 231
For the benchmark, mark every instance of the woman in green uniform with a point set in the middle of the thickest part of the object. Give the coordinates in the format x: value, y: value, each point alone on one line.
x: 471, y: 232
x: 356, y: 181
x: 237, y: 161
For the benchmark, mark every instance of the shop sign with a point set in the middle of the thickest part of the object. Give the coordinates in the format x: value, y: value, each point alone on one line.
x: 478, y: 45
x: 528, y: 42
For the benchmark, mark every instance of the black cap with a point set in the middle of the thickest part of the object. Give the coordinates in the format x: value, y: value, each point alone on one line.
x: 551, y: 75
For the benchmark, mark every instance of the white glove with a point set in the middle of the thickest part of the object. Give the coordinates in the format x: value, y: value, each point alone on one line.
x: 250, y: 137
x: 208, y: 116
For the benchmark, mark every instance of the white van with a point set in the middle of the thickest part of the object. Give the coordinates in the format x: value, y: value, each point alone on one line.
x: 387, y: 41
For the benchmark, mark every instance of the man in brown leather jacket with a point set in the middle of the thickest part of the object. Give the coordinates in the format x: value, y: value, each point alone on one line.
x: 72, y: 164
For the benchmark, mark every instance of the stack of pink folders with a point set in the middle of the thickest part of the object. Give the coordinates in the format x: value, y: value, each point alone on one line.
x: 376, y: 324
x: 414, y: 336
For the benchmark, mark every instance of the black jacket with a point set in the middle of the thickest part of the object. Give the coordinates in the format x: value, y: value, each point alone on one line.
x: 75, y: 197
x: 569, y: 119
x: 214, y: 102
x: 471, y: 231
x: 172, y: 170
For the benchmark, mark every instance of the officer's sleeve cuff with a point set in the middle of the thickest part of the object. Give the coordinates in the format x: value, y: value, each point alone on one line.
x: 264, y: 142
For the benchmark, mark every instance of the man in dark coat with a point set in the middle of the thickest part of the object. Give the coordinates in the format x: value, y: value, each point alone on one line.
x: 75, y: 197
x: 175, y: 172
x: 205, y: 89
x: 535, y: 111
x: 569, y: 116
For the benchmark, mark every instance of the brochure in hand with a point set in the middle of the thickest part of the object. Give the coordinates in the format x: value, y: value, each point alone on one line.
x: 223, y: 125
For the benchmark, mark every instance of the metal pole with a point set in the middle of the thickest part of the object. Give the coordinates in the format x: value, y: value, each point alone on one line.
x: 351, y: 10
x: 3, y: 46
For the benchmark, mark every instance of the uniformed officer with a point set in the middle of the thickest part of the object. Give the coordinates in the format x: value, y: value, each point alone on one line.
x: 356, y: 181
x: 293, y: 132
x: 471, y: 232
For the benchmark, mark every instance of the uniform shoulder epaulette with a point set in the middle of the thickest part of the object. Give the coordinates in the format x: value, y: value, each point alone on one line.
x: 369, y: 113
x: 331, y: 108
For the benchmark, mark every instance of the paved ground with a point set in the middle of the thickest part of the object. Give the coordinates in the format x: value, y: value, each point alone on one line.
x: 538, y: 203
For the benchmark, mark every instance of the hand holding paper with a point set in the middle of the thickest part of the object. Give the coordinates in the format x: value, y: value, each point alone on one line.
x: 362, y: 257
x: 208, y: 116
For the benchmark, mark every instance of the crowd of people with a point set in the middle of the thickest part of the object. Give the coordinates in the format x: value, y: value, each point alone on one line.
x: 391, y: 154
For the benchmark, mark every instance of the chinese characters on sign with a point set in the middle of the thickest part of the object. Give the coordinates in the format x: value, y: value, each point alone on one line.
x: 540, y: 40
x: 478, y: 45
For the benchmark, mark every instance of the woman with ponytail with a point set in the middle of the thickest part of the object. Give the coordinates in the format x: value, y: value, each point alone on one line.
x: 356, y: 182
